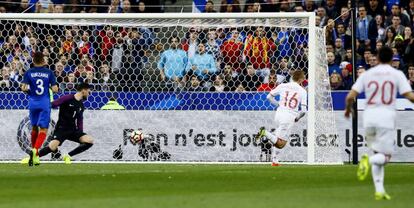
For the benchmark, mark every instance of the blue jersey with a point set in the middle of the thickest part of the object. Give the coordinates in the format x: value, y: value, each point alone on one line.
x: 39, y: 79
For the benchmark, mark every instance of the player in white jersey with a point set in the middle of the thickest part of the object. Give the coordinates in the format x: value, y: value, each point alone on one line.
x: 292, y: 95
x: 380, y: 84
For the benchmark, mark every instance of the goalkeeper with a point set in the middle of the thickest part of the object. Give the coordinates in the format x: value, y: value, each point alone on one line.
x: 70, y: 123
x: 291, y: 96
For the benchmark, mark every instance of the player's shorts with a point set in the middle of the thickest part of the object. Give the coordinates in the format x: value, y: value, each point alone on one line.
x: 381, y: 140
x: 284, y: 121
x: 40, y: 116
x: 72, y: 135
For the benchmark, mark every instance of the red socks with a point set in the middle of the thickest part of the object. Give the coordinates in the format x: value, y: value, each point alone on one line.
x: 40, y: 139
x: 34, y: 137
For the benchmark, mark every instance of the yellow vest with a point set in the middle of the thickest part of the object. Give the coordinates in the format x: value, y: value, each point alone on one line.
x: 112, y: 105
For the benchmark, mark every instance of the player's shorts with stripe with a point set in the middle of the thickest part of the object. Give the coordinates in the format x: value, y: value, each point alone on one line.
x: 67, y: 134
x: 284, y: 121
x: 40, y: 114
x: 381, y: 140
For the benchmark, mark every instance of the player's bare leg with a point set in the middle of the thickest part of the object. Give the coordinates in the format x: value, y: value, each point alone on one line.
x: 86, y: 142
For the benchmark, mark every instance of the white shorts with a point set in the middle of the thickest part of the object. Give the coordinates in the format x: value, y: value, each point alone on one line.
x: 381, y: 140
x: 284, y: 121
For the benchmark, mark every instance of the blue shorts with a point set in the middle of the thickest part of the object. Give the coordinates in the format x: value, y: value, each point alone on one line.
x: 40, y: 115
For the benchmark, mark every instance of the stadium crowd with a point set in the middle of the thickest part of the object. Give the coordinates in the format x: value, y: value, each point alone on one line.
x: 220, y: 59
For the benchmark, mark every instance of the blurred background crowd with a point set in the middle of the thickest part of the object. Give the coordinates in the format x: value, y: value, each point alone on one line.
x: 116, y: 58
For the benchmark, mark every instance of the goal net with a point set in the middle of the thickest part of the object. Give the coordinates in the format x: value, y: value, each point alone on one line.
x: 195, y: 84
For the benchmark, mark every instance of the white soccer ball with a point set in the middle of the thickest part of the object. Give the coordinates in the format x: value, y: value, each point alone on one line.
x: 136, y: 136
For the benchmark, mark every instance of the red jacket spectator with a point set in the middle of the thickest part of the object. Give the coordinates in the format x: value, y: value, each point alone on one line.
x: 108, y: 41
x: 258, y: 49
x: 231, y: 51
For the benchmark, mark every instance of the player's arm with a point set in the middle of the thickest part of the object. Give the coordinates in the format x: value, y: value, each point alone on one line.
x: 303, y: 107
x: 58, y: 102
x: 24, y: 87
x: 79, y: 122
x: 409, y: 96
x: 404, y: 88
x: 271, y: 96
x: 55, y: 89
x: 350, y: 98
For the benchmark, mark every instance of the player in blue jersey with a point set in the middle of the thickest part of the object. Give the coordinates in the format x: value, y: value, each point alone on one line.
x: 36, y: 82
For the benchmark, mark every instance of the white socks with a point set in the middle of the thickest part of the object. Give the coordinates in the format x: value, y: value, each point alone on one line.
x: 272, y: 138
x: 377, y: 162
x: 275, y: 153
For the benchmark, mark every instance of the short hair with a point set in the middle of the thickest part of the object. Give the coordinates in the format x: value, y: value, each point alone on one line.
x: 38, y: 58
x: 172, y: 37
x: 298, y: 74
x: 385, y: 54
x: 82, y: 86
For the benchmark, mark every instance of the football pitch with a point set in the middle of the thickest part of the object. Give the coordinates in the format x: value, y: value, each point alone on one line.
x: 161, y: 185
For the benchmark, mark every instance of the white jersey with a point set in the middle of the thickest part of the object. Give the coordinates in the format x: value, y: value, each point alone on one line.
x: 381, y: 84
x: 291, y: 96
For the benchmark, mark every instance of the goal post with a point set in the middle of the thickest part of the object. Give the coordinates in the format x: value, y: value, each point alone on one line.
x: 188, y: 120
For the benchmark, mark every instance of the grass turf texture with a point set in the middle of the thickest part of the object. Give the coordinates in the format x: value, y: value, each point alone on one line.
x: 110, y: 185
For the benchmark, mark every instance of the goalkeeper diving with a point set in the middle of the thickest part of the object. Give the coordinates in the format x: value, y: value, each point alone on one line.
x: 292, y: 95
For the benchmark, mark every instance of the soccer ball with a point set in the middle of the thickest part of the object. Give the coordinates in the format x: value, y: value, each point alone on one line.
x: 136, y: 136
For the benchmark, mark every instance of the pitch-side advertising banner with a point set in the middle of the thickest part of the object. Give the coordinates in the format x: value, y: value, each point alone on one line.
x: 203, y: 136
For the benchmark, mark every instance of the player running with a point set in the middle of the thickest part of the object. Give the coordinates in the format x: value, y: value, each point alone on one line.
x: 291, y: 96
x: 36, y: 82
x: 70, y: 123
x: 380, y: 84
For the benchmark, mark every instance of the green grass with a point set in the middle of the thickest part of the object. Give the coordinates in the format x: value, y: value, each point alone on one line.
x: 252, y: 186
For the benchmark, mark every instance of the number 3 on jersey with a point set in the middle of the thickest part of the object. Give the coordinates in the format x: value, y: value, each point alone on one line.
x: 291, y: 102
x: 40, y: 88
x: 386, y: 87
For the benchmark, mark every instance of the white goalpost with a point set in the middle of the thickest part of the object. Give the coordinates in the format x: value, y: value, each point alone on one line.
x: 189, y: 115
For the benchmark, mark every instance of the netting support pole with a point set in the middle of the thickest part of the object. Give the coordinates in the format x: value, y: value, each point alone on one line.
x: 311, y: 90
x: 354, y: 77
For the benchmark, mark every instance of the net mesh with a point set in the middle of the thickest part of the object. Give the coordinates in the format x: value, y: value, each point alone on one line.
x: 196, y: 87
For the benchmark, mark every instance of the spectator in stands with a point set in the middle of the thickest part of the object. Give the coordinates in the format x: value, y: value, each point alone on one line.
x: 310, y: 5
x: 331, y: 10
x: 376, y: 31
x: 202, y: 64
x: 330, y: 32
x: 410, y: 9
x: 6, y: 83
x: 195, y: 84
x: 339, y: 49
x: 396, y: 11
x: 126, y: 6
x: 173, y: 62
x: 267, y: 87
x: 344, y: 18
x: 396, y: 63
x: 281, y: 39
x: 336, y: 81
x: 372, y: 61
x: 283, y: 70
x: 117, y: 54
x: 23, y: 7
x: 258, y: 50
x: 70, y: 82
x: 374, y: 8
x: 346, y: 76
x: 249, y: 79
x: 84, y: 67
x: 58, y: 8
x: 341, y: 33
x: 91, y: 79
x: 190, y: 45
x: 219, y: 85
x: 16, y: 70
x: 396, y: 24
x: 108, y: 42
x: 240, y: 88
x: 321, y: 12
x: 230, y: 77
x: 115, y: 6
x: 106, y: 79
x: 59, y: 72
x: 410, y: 74
x: 284, y: 6
x: 68, y: 44
x: 390, y: 36
x: 231, y: 51
x: 84, y: 46
x: 230, y: 5
x: 213, y: 46
x: 209, y: 8
x: 332, y: 66
x: 360, y: 70
x: 363, y: 25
